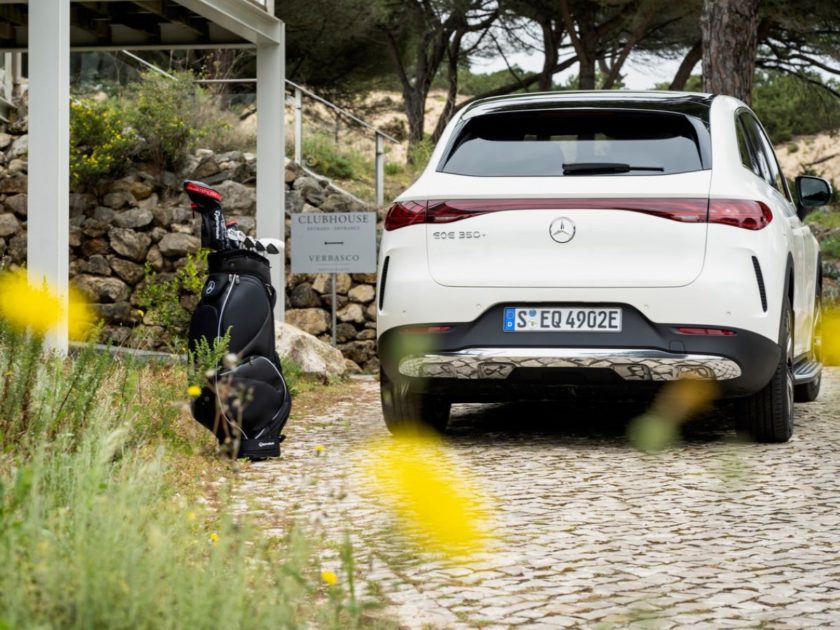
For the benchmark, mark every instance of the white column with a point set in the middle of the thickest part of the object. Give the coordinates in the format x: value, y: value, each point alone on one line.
x: 271, y: 150
x: 47, y: 250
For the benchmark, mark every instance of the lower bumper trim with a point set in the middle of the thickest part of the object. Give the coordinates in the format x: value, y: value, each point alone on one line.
x: 631, y: 365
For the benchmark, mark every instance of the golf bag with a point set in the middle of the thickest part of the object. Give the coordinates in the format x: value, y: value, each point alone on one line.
x: 245, y: 403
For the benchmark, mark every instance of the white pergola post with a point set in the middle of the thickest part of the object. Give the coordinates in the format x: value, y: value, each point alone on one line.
x: 47, y: 248
x: 271, y: 150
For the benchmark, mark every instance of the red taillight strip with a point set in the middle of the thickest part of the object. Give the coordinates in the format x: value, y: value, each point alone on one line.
x: 402, y: 214
x: 742, y: 213
x: 426, y: 329
x: 677, y: 209
x: 709, y: 332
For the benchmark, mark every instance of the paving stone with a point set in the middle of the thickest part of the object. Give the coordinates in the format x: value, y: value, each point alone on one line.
x: 708, y: 534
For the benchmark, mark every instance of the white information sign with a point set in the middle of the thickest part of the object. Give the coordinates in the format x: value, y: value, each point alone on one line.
x: 334, y: 242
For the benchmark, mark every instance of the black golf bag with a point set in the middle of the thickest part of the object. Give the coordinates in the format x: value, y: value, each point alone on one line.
x: 245, y: 403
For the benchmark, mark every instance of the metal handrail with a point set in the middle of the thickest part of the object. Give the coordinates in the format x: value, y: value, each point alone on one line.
x: 298, y: 91
x: 320, y: 99
x: 344, y: 112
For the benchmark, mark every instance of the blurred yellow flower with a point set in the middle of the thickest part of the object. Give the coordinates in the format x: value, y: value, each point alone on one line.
x: 675, y: 404
x: 436, y: 502
x: 194, y: 391
x: 831, y: 336
x: 319, y: 449
x: 40, y: 309
x: 214, y: 537
x: 329, y: 578
x: 190, y: 516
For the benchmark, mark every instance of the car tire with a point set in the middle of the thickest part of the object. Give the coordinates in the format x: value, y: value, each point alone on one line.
x: 411, y: 413
x: 767, y: 416
x: 808, y: 392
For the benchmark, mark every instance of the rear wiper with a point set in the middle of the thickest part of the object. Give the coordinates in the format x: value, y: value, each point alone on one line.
x: 595, y: 168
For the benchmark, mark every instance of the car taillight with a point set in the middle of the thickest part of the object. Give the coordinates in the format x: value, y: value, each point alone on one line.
x: 403, y: 213
x: 742, y: 213
x: 709, y: 332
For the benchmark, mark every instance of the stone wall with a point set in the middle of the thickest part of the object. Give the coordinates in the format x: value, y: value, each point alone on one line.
x: 145, y: 218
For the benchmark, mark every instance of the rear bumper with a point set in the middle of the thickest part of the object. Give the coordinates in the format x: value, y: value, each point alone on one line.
x: 629, y: 364
x: 477, y: 360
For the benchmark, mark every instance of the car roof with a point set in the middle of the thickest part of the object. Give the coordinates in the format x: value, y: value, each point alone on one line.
x: 690, y: 103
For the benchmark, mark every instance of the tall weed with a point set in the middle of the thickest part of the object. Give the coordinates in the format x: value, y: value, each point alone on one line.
x: 98, y: 527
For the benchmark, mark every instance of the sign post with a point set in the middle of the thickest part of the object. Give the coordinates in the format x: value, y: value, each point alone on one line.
x: 334, y: 278
x: 339, y: 242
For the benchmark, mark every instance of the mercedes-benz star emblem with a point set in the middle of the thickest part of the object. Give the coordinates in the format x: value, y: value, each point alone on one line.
x: 562, y: 229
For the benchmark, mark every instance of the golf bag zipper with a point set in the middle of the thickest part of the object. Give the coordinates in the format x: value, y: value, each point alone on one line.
x: 233, y: 280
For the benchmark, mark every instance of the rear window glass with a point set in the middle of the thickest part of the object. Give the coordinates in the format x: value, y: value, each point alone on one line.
x: 574, y: 143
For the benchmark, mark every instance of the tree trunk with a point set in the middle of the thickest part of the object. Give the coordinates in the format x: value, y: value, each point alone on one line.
x: 415, y: 105
x: 694, y: 54
x: 730, y: 40
x: 550, y: 58
x: 452, y: 54
x: 584, y: 41
x: 586, y: 75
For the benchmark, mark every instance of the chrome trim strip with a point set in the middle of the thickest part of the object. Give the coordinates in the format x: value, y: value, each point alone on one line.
x: 631, y: 365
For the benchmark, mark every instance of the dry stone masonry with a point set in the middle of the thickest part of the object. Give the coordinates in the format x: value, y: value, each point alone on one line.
x: 143, y: 218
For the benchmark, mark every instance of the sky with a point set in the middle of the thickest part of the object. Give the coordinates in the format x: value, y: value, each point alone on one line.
x: 640, y: 73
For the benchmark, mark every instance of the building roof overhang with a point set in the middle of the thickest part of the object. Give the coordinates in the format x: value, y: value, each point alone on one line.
x: 152, y: 24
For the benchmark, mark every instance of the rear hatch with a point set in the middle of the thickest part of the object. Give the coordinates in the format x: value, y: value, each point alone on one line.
x: 566, y: 198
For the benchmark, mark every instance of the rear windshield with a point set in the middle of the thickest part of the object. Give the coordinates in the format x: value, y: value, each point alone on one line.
x: 574, y: 143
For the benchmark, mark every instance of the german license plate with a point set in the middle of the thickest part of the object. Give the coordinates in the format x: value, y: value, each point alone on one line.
x: 542, y: 319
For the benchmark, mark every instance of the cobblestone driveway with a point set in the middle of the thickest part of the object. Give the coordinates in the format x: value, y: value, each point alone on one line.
x: 710, y: 533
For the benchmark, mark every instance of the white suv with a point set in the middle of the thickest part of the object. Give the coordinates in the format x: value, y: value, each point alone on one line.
x: 602, y: 243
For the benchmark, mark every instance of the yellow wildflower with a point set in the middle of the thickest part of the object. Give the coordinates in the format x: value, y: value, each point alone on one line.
x: 25, y: 306
x: 214, y: 537
x: 319, y: 449
x: 435, y: 500
x: 39, y: 308
x: 831, y: 336
x: 190, y: 516
x: 329, y: 578
x: 194, y: 391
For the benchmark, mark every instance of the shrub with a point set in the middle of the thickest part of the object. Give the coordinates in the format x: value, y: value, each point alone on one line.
x: 321, y: 153
x: 160, y: 298
x: 164, y: 112
x: 100, y: 142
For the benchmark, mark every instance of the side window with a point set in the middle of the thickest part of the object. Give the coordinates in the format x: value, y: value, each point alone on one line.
x: 747, y: 157
x: 775, y: 172
x: 757, y: 151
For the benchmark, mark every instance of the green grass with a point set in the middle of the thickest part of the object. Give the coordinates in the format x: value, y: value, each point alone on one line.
x: 825, y: 223
x: 100, y: 525
x: 336, y: 161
